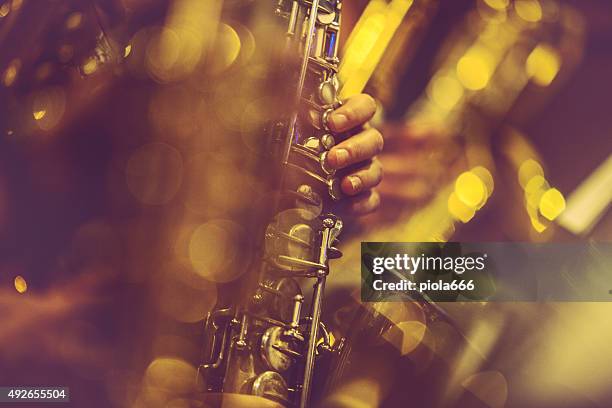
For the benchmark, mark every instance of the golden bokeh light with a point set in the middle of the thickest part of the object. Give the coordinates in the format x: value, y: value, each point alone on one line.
x: 413, y: 333
x: 552, y: 204
x: 226, y: 49
x: 162, y: 53
x: 527, y: 170
x: 170, y: 375
x: 475, y: 68
x: 89, y: 66
x: 535, y: 184
x: 446, y: 91
x: 486, y: 177
x: 39, y: 114
x: 528, y: 10
x: 21, y: 285
x: 154, y: 173
x: 74, y: 20
x: 490, y: 387
x: 214, y: 250
x: 5, y: 9
x: 10, y: 73
x: 470, y: 189
x: 127, y: 50
x: 543, y: 65
x: 49, y: 107
x: 497, y: 4
x: 459, y: 210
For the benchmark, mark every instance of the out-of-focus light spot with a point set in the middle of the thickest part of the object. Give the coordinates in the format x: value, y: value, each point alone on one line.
x: 169, y: 376
x: 485, y: 176
x: 49, y: 107
x: 20, y: 284
x: 227, y: 49
x: 214, y: 249
x: 74, y: 20
x: 490, y: 387
x: 154, y: 173
x: 475, y: 68
x: 127, y: 50
x: 10, y: 74
x: 5, y: 9
x: 459, y: 210
x: 534, y: 190
x: 162, y: 53
x: 16, y: 4
x: 413, y: 333
x: 470, y: 189
x: 529, y: 10
x: 65, y: 52
x: 39, y: 114
x: 446, y: 91
x: 90, y: 66
x: 552, y: 204
x: 535, y: 220
x: 497, y: 4
x: 527, y: 170
x: 543, y: 65
x: 43, y: 71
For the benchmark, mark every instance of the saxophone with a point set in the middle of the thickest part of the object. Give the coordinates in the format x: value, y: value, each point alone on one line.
x: 268, y: 341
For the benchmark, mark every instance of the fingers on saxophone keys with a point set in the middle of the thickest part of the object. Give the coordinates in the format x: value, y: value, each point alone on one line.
x: 354, y: 112
x: 363, y: 179
x: 363, y: 146
x: 365, y: 203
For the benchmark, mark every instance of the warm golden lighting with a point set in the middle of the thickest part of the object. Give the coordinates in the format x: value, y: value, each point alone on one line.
x: 49, y: 107
x: 543, y: 65
x: 90, y: 66
x: 446, y: 91
x: 485, y: 176
x: 552, y: 204
x: 497, y: 4
x: 213, y: 250
x: 475, y: 68
x: 5, y: 9
x: 490, y: 387
x: 527, y: 170
x: 226, y: 50
x: 459, y: 210
x: 74, y: 20
x: 413, y: 333
x: 127, y: 50
x: 20, y: 284
x: 10, y: 74
x: 39, y: 114
x: 537, y: 183
x: 529, y: 10
x: 470, y: 190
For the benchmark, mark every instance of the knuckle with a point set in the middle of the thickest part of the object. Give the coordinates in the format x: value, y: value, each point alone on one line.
x: 371, y: 103
x: 379, y: 140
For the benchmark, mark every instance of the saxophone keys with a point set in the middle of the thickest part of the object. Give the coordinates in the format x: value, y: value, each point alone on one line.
x: 271, y: 385
x: 327, y: 141
x: 275, y: 351
x: 327, y: 93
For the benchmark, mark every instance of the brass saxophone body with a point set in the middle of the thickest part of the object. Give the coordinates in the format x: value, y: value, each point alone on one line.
x: 267, y: 341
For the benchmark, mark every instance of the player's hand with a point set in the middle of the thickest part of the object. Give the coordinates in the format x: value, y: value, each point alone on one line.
x: 355, y: 157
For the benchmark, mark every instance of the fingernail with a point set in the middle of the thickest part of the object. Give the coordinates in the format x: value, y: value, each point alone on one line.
x: 355, y: 183
x: 338, y: 120
x: 342, y: 157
